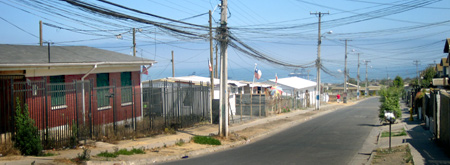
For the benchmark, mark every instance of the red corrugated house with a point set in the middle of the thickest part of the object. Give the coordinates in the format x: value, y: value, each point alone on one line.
x: 50, y: 80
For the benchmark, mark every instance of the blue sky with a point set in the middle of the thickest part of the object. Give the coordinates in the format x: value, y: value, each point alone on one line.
x: 391, y: 34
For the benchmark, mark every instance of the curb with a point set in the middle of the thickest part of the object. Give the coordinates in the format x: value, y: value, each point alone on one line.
x: 251, y: 139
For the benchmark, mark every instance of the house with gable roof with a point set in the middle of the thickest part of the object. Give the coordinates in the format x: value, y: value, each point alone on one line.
x: 65, y: 84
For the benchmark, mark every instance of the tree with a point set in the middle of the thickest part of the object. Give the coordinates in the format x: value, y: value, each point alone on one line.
x: 352, y: 81
x: 427, y: 75
x: 398, y: 82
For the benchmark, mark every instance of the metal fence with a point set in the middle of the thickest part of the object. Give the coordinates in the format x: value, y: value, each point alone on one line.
x: 174, y: 105
x: 249, y: 106
x: 64, y: 111
x: 53, y: 107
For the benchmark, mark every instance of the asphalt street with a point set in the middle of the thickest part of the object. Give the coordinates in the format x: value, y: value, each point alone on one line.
x: 333, y: 138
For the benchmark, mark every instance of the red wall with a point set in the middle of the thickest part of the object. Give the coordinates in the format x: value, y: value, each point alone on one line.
x: 61, y: 117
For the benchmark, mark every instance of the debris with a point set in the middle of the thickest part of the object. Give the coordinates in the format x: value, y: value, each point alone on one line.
x: 184, y: 157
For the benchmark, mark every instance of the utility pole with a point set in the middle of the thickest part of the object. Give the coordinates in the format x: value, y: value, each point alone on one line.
x: 40, y: 33
x: 215, y: 67
x: 210, y: 63
x: 345, y: 72
x: 367, y: 80
x: 134, y: 42
x: 318, y: 64
x: 357, y: 81
x: 223, y: 39
x: 416, y: 62
x: 173, y: 66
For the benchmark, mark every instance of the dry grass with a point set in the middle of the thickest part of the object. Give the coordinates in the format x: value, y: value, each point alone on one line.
x: 397, y: 155
x: 8, y: 149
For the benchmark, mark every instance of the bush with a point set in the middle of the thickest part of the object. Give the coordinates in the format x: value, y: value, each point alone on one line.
x: 73, y: 142
x: 390, y: 101
x: 123, y: 151
x: 206, y: 140
x: 27, y: 137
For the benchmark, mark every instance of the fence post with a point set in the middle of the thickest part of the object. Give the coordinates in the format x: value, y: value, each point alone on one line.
x: 173, y: 103
x: 179, y: 104
x: 133, y: 111
x: 11, y: 125
x: 91, y: 120
x: 46, y: 110
x: 251, y: 104
x: 240, y: 103
x: 114, y: 106
x: 149, y: 102
x: 260, y: 103
x: 163, y: 103
x: 76, y: 107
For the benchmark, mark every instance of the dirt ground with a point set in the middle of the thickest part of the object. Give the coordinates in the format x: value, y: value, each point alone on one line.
x: 397, y: 155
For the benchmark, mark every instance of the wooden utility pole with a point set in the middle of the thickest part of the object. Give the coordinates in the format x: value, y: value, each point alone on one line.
x: 357, y: 81
x: 210, y: 70
x: 318, y: 60
x: 173, y: 66
x: 345, y: 73
x: 40, y: 33
x: 223, y: 39
x: 367, y: 80
x: 134, y: 42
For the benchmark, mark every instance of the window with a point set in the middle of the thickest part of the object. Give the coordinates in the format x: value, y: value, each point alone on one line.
x: 103, y: 94
x: 57, y: 92
x: 125, y: 80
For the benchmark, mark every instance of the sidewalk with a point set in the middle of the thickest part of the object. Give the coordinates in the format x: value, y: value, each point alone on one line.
x: 156, y: 145
x: 423, y: 149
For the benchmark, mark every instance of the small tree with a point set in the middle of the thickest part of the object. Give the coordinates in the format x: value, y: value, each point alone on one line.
x: 27, y: 137
x: 427, y: 75
x: 389, y: 99
x: 398, y: 82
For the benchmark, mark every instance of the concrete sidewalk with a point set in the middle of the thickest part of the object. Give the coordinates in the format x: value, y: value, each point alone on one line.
x: 423, y: 148
x: 161, y: 141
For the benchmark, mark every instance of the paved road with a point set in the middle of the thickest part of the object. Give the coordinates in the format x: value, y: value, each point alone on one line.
x: 334, y: 138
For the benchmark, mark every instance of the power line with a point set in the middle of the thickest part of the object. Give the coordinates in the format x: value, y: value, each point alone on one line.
x: 18, y: 27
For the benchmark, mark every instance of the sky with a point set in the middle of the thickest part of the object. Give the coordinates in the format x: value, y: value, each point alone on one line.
x: 389, y: 34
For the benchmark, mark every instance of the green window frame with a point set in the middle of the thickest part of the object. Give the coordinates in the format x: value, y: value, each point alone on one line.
x: 126, y: 88
x: 58, y: 93
x: 103, y: 81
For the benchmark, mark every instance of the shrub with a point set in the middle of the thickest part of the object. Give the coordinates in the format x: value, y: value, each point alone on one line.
x: 107, y: 154
x: 85, y: 155
x: 206, y: 140
x: 123, y: 151
x: 27, y: 137
x: 389, y: 99
x: 74, y: 138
